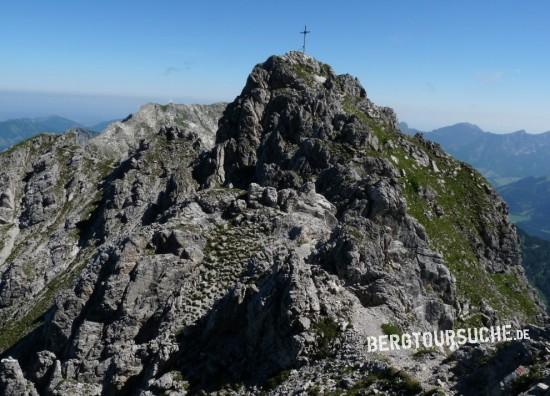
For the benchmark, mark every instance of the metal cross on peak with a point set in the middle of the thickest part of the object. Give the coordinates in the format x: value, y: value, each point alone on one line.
x: 304, y: 33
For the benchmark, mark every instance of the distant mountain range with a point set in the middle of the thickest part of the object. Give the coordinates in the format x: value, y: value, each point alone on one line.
x: 100, y: 126
x: 536, y: 261
x: 529, y: 202
x: 517, y: 163
x: 15, y: 130
x: 502, y: 158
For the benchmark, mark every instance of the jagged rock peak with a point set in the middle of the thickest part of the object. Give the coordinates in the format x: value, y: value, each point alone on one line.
x: 120, y: 138
x: 299, y: 71
x: 120, y: 274
x: 290, y: 106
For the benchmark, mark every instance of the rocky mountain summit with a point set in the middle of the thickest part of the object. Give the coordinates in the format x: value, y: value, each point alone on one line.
x: 252, y: 248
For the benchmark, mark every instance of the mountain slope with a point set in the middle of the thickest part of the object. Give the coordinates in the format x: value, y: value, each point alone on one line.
x: 404, y: 128
x: 101, y: 126
x: 516, y: 163
x: 254, y: 254
x: 17, y: 130
x: 14, y: 131
x: 536, y: 260
x: 529, y: 203
x: 501, y: 158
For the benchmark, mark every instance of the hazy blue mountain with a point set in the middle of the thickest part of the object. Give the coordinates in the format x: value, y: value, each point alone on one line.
x: 100, y: 126
x: 536, y: 261
x: 16, y: 130
x: 529, y: 202
x: 502, y: 158
x: 408, y: 130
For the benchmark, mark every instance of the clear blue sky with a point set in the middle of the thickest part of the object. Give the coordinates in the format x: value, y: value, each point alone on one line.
x: 436, y: 62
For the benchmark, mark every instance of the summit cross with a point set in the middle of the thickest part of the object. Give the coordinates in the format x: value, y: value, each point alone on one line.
x: 304, y: 33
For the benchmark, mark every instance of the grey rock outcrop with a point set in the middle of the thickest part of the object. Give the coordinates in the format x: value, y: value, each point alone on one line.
x: 12, y: 381
x: 170, y: 256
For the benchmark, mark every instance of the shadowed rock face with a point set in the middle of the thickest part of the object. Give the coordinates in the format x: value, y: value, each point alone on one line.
x: 278, y: 131
x: 155, y: 259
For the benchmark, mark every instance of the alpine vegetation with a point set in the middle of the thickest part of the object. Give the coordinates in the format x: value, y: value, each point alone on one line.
x: 254, y: 248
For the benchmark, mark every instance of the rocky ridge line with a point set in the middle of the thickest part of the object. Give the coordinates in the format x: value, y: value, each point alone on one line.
x: 262, y: 262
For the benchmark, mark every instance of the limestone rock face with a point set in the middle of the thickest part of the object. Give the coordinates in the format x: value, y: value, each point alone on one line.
x: 250, y: 248
x: 12, y: 381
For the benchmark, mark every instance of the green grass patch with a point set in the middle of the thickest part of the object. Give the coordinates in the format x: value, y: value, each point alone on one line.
x: 349, y: 105
x: 327, y: 331
x: 454, y: 219
x: 277, y: 380
x: 389, y: 381
x: 391, y: 329
x: 305, y: 72
x: 421, y: 352
x: 516, y: 293
x: 13, y: 331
